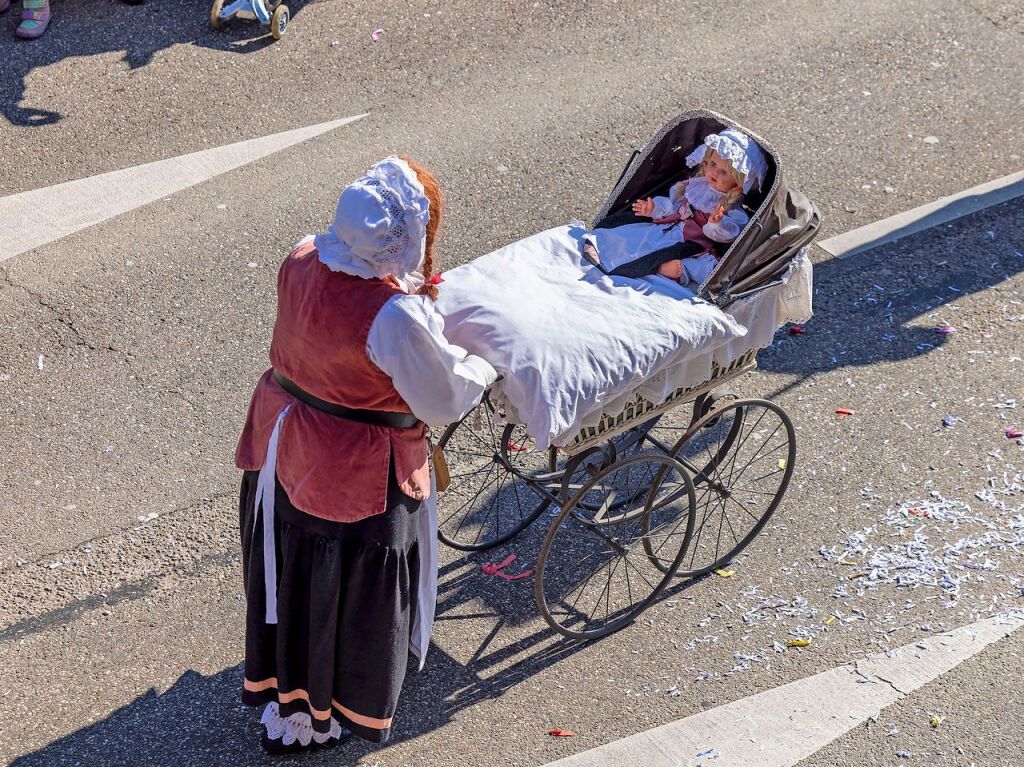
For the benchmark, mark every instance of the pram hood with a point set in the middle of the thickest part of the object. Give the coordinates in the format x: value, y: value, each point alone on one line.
x: 782, y: 220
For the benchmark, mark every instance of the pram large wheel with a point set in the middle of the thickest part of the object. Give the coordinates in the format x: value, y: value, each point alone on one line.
x: 488, y: 502
x: 741, y: 455
x: 215, y: 9
x: 593, y: 573
x: 279, y: 21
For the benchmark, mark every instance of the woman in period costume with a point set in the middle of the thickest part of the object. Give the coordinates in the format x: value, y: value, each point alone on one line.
x: 336, y: 511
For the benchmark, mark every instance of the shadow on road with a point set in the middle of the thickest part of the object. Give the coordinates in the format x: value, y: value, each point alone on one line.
x: 201, y: 720
x: 90, y: 27
x: 884, y: 304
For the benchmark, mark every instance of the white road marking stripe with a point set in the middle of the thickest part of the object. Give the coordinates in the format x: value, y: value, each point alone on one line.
x: 780, y: 727
x: 924, y: 217
x: 40, y: 216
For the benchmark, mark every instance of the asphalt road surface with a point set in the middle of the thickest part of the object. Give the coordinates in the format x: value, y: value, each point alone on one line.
x: 120, y: 591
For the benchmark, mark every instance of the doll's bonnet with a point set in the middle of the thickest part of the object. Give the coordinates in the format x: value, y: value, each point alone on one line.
x: 740, y: 150
x: 380, y: 224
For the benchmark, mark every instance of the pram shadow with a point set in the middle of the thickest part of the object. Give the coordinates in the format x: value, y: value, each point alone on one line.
x: 884, y: 303
x: 92, y: 27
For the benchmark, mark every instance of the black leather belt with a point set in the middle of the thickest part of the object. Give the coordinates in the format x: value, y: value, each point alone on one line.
x: 372, y: 417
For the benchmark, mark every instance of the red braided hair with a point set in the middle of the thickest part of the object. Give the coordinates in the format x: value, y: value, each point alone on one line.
x: 433, y: 192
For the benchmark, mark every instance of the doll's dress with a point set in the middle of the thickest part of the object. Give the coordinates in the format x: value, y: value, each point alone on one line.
x: 637, y: 249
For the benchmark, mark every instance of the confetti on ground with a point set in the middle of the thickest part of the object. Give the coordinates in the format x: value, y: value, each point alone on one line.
x: 937, y: 543
x: 796, y: 330
x: 843, y: 411
x: 722, y: 572
x: 561, y: 733
x: 375, y: 34
x: 1012, y: 433
x: 798, y: 643
x: 944, y: 330
x: 935, y: 721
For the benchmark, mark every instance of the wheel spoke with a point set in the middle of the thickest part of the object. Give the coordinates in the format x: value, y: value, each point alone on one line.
x: 483, y: 487
x: 571, y: 594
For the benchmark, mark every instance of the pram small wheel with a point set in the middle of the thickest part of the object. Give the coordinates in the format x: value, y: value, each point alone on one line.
x: 215, y: 9
x: 279, y: 21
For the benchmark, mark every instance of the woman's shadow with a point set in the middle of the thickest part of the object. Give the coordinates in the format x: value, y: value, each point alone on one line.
x: 90, y: 27
x: 200, y: 719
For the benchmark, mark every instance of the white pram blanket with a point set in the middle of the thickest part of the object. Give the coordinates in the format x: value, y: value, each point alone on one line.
x: 573, y: 343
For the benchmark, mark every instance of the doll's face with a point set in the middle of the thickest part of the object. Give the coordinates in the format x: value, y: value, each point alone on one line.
x: 719, y: 173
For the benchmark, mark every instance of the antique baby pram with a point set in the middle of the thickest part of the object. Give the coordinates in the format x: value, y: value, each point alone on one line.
x: 635, y: 497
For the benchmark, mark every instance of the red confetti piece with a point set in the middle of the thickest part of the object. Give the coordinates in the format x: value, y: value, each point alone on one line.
x: 561, y: 733
x: 843, y: 411
x: 514, y: 448
x: 1012, y: 433
x: 491, y: 568
x: 796, y: 330
x: 916, y: 512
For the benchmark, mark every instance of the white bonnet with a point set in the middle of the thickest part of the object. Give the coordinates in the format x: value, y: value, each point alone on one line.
x: 380, y: 224
x: 740, y: 150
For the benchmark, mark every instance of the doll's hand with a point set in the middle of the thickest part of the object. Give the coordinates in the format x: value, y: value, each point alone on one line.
x: 671, y: 269
x: 717, y: 216
x: 644, y: 207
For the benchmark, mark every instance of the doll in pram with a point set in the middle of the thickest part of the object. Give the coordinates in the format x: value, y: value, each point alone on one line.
x: 683, y: 235
x: 593, y: 364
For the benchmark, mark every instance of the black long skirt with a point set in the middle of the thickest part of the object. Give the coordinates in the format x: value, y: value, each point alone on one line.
x: 346, y: 604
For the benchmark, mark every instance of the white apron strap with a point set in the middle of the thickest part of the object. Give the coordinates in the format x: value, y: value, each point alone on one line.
x: 426, y: 593
x: 265, y: 492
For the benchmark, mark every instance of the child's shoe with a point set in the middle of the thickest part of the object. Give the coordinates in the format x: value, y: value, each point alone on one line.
x: 35, y: 18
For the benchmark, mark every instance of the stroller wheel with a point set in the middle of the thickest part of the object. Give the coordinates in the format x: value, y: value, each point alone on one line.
x: 279, y: 21
x: 215, y: 9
